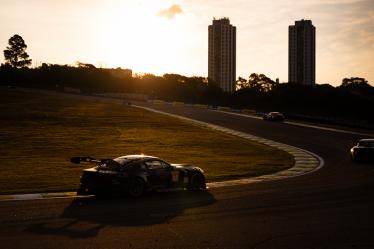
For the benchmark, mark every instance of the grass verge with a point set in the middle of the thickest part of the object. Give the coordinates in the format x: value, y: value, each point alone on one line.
x: 40, y: 132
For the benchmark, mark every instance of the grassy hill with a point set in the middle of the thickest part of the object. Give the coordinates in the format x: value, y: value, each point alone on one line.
x: 40, y: 132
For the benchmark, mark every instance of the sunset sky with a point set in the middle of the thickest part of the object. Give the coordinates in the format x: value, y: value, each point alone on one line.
x: 161, y: 36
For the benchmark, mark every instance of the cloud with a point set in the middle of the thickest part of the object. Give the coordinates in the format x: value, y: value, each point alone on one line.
x: 171, y: 12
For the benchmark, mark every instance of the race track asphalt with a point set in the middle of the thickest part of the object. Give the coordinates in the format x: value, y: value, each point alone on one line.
x: 330, y: 208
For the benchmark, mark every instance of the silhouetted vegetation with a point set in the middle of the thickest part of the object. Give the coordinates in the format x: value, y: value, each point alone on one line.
x: 351, y: 102
x: 15, y: 54
x: 258, y: 82
x: 89, y: 79
x: 357, y: 86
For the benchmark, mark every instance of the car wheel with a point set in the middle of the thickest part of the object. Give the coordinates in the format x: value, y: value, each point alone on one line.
x: 136, y: 187
x: 197, y: 182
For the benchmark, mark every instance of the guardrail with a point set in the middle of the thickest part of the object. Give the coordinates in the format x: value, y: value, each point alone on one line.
x: 176, y: 103
x: 158, y: 102
x: 251, y: 112
x: 202, y: 106
x: 223, y: 108
x: 248, y: 111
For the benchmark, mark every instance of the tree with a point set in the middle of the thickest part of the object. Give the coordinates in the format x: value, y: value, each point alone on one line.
x: 241, y: 83
x: 85, y: 65
x: 15, y: 54
x: 353, y: 81
x: 258, y: 82
x: 266, y: 83
x: 358, y: 86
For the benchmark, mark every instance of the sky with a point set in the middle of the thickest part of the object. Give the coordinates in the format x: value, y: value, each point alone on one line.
x: 162, y: 36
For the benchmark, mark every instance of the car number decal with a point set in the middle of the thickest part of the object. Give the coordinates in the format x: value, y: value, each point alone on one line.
x: 175, y: 176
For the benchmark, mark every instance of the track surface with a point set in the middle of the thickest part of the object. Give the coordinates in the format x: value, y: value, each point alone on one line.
x: 330, y: 208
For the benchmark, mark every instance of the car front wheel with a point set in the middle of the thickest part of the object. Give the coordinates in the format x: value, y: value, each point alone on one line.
x: 136, y: 187
x: 197, y: 182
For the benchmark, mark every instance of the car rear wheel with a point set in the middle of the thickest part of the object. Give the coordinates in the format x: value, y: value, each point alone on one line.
x: 197, y: 182
x: 136, y: 188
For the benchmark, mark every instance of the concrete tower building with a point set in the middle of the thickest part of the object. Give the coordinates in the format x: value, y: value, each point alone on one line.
x: 222, y: 54
x: 302, y: 53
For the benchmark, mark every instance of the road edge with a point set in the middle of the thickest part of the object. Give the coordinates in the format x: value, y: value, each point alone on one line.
x: 306, y: 162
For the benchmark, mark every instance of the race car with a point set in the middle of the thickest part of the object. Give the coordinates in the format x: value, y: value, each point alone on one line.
x: 363, y: 150
x: 273, y: 116
x: 136, y: 174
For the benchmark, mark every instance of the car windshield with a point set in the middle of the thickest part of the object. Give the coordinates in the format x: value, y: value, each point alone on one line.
x: 122, y: 160
x: 366, y: 143
x: 108, y: 164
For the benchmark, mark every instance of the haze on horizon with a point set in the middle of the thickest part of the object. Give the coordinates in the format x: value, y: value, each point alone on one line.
x: 172, y: 36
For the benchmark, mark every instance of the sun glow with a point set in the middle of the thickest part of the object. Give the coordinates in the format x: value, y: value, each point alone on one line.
x: 134, y: 36
x: 168, y: 36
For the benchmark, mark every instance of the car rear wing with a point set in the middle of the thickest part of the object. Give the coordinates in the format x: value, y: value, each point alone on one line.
x: 86, y: 159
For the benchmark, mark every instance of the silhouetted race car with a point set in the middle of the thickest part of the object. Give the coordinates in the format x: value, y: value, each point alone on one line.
x: 136, y: 174
x: 274, y: 116
x: 363, y: 150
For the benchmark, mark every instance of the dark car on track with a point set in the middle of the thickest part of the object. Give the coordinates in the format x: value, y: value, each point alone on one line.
x: 273, y: 116
x: 136, y: 174
x: 363, y: 150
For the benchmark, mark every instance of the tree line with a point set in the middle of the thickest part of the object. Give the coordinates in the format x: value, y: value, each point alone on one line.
x: 351, y: 102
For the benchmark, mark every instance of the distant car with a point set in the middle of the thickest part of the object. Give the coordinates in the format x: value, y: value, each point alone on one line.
x: 274, y: 116
x: 363, y: 150
x: 135, y: 175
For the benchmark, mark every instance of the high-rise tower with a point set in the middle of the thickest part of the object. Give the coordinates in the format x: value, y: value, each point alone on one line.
x: 302, y: 53
x: 222, y: 54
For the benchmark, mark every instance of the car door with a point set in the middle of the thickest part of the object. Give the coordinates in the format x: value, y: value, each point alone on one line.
x: 127, y: 171
x: 159, y: 173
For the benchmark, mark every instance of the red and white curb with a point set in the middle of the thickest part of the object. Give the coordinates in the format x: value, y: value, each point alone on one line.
x: 305, y: 162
